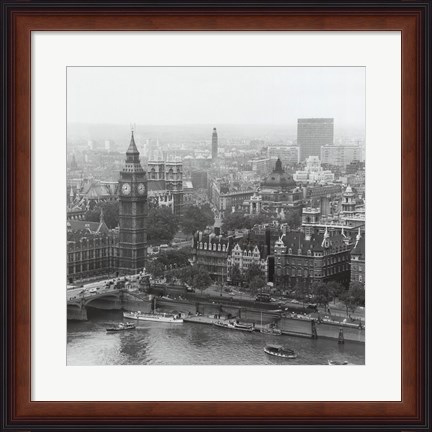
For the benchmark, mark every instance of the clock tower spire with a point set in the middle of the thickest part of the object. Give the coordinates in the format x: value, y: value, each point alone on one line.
x: 132, y: 212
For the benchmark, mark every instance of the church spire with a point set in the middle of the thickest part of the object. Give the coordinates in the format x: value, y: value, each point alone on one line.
x: 132, y: 149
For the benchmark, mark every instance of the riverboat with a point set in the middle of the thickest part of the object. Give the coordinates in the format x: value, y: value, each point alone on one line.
x: 158, y: 317
x: 337, y: 363
x: 271, y: 331
x: 280, y: 351
x: 121, y: 327
x: 234, y: 326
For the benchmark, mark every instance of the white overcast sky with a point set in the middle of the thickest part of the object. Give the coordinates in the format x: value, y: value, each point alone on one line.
x: 215, y: 95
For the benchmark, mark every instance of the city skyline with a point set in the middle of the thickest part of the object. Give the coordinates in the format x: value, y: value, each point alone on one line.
x: 210, y: 244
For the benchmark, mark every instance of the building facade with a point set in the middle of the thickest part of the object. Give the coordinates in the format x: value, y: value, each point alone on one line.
x: 91, y: 255
x: 289, y: 155
x: 132, y: 213
x: 341, y: 155
x: 313, y: 172
x: 210, y: 253
x: 261, y: 166
x: 165, y: 184
x: 312, y: 133
x: 300, y: 258
x: 278, y: 192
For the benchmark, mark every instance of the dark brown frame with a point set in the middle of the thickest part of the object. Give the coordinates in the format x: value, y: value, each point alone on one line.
x: 412, y: 19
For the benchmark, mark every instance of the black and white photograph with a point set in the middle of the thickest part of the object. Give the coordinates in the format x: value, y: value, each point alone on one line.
x: 216, y: 215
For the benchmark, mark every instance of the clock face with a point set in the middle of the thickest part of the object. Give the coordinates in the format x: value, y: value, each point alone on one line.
x: 141, y: 188
x: 126, y: 188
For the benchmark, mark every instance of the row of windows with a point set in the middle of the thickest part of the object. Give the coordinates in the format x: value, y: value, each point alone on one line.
x: 248, y: 253
x: 98, y: 265
x: 215, y: 247
x: 322, y: 272
x: 97, y: 253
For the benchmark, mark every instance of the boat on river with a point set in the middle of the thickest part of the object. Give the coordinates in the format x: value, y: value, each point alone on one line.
x: 280, y: 351
x: 234, y: 326
x: 271, y: 331
x: 158, y: 317
x: 121, y: 327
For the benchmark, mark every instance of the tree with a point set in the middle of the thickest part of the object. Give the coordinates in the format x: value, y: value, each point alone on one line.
x: 354, y: 297
x: 256, y: 284
x: 302, y: 291
x: 155, y: 268
x: 196, y: 218
x: 162, y: 225
x: 358, y: 293
x: 321, y: 292
x: 196, y: 277
x: 235, y: 274
x: 110, y: 213
x: 92, y: 215
x: 258, y: 219
x: 336, y: 289
x: 253, y: 271
x: 237, y: 221
x: 175, y: 258
x: 293, y: 218
x: 201, y: 280
x: 234, y: 221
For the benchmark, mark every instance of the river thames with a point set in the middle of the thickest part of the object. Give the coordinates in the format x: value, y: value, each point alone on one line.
x: 153, y: 343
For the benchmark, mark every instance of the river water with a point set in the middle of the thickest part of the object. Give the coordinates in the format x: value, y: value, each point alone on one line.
x: 153, y: 343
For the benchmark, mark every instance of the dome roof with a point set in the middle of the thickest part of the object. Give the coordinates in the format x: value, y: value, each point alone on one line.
x: 276, y: 179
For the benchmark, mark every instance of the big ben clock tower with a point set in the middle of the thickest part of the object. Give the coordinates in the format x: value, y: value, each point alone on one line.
x: 132, y: 213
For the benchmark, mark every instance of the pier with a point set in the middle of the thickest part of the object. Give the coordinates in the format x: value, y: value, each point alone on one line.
x: 204, y: 309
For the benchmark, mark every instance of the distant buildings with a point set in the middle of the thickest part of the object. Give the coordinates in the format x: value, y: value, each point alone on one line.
x: 199, y: 179
x: 260, y: 166
x: 287, y: 154
x: 318, y: 191
x: 227, y: 198
x: 313, y: 172
x: 165, y: 184
x: 341, y: 155
x: 214, y: 144
x: 89, y: 190
x: 277, y: 193
x: 312, y: 134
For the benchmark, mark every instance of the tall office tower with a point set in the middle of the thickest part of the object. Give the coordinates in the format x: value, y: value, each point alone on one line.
x: 214, y: 144
x: 312, y: 133
x: 132, y: 213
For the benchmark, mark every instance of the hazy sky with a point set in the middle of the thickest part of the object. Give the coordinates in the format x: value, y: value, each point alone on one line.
x: 215, y: 95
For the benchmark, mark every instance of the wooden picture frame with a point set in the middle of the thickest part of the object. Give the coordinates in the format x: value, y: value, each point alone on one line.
x: 19, y: 19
